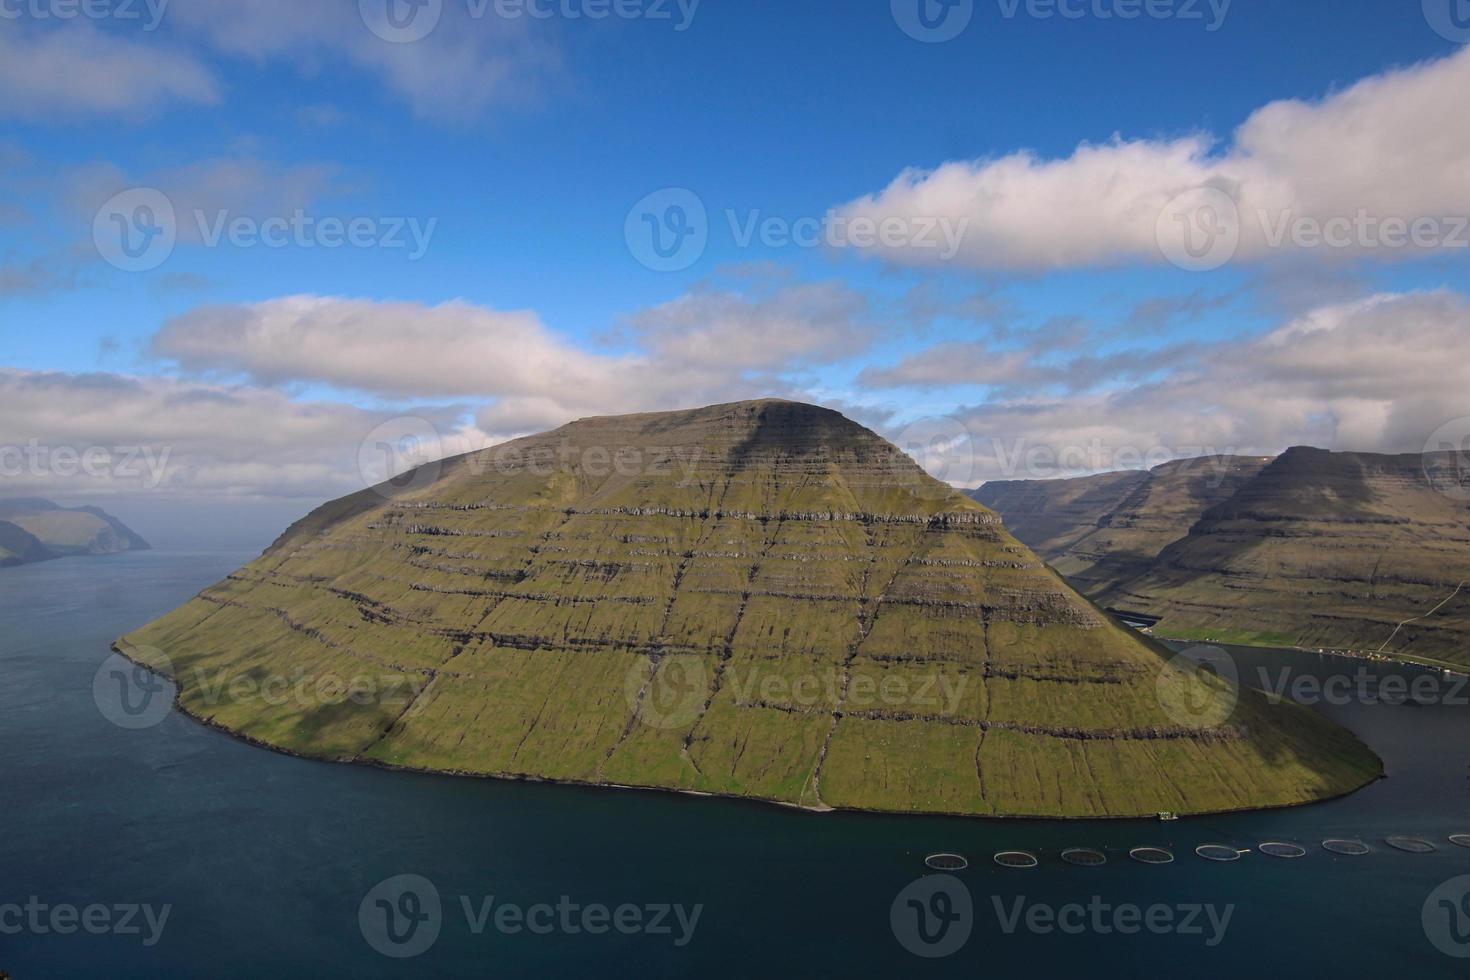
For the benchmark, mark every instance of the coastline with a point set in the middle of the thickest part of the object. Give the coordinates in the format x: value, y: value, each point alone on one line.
x: 182, y: 709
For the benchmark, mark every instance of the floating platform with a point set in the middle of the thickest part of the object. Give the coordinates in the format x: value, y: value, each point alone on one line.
x: 1412, y: 845
x: 1460, y: 840
x: 1351, y: 848
x: 1151, y: 855
x: 1281, y: 849
x: 946, y: 862
x: 1218, y: 852
x: 1084, y: 857
x: 1016, y: 859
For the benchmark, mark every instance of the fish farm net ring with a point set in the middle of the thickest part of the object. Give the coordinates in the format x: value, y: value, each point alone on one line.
x: 1084, y: 857
x: 1279, y: 849
x: 947, y: 862
x: 1413, y: 845
x: 1217, y: 852
x: 1016, y: 859
x: 1352, y: 848
x: 1151, y: 855
x: 1460, y: 840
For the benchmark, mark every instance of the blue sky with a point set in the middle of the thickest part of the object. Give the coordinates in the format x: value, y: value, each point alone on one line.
x: 523, y: 144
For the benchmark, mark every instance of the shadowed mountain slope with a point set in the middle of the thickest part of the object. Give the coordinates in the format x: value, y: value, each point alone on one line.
x: 761, y: 599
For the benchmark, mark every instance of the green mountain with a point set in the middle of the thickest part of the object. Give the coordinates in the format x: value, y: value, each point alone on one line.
x: 761, y: 599
x: 1348, y: 551
x: 62, y: 531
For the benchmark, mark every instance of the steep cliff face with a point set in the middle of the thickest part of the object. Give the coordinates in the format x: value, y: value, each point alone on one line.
x: 1342, y: 550
x: 761, y: 599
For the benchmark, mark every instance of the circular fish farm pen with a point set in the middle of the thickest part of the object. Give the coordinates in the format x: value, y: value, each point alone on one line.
x: 1352, y: 848
x: 1411, y: 845
x: 1151, y: 855
x: 946, y: 862
x: 1281, y: 849
x: 1217, y: 852
x: 1460, y: 840
x: 1084, y: 857
x: 1016, y: 859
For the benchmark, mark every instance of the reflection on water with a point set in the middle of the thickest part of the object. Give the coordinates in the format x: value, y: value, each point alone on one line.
x: 270, y: 865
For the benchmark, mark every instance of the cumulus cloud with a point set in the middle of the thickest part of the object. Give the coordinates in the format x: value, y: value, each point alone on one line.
x: 80, y: 70
x: 120, y: 434
x: 708, y: 346
x: 456, y: 72
x: 1376, y: 375
x: 1392, y: 148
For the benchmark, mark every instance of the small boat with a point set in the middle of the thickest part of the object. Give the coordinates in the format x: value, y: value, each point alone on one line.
x: 1167, y: 817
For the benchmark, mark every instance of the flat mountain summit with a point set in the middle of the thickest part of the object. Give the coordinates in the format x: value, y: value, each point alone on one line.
x: 762, y: 599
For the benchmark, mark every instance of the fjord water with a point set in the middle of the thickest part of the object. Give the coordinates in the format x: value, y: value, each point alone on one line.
x: 265, y: 859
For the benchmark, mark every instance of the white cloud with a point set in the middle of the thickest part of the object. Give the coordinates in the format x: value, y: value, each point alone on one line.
x: 1374, y: 375
x: 1394, y: 146
x: 463, y: 67
x: 80, y: 70
x: 169, y: 437
x: 706, y: 347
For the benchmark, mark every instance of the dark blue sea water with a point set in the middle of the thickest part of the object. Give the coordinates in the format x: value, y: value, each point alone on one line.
x: 264, y: 861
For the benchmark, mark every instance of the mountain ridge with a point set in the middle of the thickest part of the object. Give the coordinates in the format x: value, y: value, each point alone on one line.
x: 767, y: 601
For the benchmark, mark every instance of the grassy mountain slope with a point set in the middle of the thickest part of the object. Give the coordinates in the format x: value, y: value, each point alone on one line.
x: 1321, y: 549
x: 761, y: 599
x: 1101, y: 530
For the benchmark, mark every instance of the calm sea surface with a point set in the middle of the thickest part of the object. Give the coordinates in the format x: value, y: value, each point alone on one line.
x: 264, y: 861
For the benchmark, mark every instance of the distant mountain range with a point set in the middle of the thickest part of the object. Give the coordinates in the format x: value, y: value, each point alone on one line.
x: 34, y: 529
x: 1347, y: 551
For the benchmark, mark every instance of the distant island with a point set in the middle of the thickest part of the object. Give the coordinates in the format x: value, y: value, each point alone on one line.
x: 762, y: 599
x: 33, y: 529
x: 1357, y: 552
